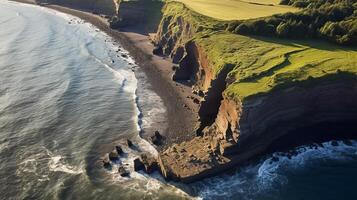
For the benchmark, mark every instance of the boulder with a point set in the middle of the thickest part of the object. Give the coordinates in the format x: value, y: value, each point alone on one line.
x: 106, y: 163
x: 334, y: 143
x: 201, y: 93
x: 347, y: 142
x: 157, y: 50
x: 123, y: 172
x: 119, y: 150
x: 157, y: 138
x: 113, y: 156
x: 138, y: 164
x: 150, y: 163
x: 174, y: 67
x: 196, y: 101
x: 129, y: 143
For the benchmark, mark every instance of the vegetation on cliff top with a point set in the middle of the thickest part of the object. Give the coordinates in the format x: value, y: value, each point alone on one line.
x: 238, y: 9
x: 260, y: 64
x: 333, y: 20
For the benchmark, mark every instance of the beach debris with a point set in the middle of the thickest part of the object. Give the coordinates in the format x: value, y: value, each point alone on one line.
x: 113, y: 61
x: 124, y: 55
x: 157, y: 138
x: 119, y: 150
x: 113, y: 156
x: 123, y: 172
x: 129, y: 143
x: 106, y: 163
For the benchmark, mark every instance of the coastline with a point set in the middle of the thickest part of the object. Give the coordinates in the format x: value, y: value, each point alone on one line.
x: 181, y: 111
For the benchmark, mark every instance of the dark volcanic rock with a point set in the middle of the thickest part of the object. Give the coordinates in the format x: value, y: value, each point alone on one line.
x: 113, y: 156
x: 119, y: 150
x: 157, y: 51
x: 334, y: 143
x: 106, y: 164
x: 275, y: 159
x: 174, y: 67
x: 347, y: 142
x: 129, y: 143
x: 138, y: 164
x: 157, y: 138
x: 150, y: 163
x: 201, y: 93
x: 196, y: 101
x: 123, y: 172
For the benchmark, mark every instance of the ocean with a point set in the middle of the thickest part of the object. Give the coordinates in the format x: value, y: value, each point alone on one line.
x: 69, y: 94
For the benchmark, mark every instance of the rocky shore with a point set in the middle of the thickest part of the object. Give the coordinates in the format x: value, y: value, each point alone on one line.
x: 211, y: 131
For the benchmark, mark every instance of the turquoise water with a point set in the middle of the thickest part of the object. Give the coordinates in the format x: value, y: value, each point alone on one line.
x: 67, y: 96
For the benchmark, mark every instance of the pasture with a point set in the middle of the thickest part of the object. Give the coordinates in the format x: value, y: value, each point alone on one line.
x: 237, y: 9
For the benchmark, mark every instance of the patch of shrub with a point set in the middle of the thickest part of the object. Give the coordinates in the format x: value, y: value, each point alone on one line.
x: 334, y: 20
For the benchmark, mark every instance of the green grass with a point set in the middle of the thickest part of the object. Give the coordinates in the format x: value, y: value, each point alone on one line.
x: 237, y: 9
x: 260, y: 65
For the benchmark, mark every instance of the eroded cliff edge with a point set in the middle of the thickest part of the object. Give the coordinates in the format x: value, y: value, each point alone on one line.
x: 255, y: 92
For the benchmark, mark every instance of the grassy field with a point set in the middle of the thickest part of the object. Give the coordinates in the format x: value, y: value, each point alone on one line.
x: 237, y: 9
x: 258, y: 65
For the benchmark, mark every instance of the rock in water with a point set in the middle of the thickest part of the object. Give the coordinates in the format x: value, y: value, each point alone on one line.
x: 106, y: 164
x: 334, y: 143
x: 347, y: 142
x: 113, y: 156
x: 157, y: 138
x: 130, y: 143
x: 123, y: 172
x: 157, y: 51
x: 150, y: 163
x: 138, y: 165
x: 119, y: 150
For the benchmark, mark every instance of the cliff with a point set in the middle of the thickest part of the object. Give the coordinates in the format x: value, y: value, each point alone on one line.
x: 256, y: 92
x: 141, y: 16
x: 107, y: 7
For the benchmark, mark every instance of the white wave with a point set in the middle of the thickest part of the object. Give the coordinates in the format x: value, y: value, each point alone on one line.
x: 269, y: 175
x: 57, y: 164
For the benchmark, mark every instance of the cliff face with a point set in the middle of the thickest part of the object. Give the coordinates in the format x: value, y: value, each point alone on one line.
x: 176, y: 38
x: 259, y: 121
x: 142, y: 16
x: 243, y: 130
x: 237, y: 128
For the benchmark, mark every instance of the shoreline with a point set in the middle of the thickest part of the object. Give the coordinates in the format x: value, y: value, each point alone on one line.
x: 181, y: 111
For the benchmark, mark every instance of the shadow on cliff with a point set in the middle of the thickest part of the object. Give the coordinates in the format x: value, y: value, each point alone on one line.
x: 142, y: 16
